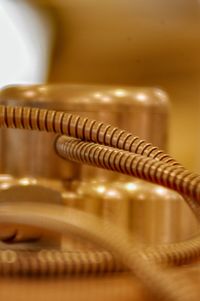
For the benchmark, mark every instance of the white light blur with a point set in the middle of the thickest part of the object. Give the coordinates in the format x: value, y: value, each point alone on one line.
x: 131, y: 186
x: 112, y: 193
x: 102, y: 97
x: 25, y: 43
x: 162, y: 95
x: 161, y: 191
x: 5, y: 177
x: 141, y: 97
x: 4, y: 185
x: 97, y: 95
x: 30, y: 93
x: 120, y: 92
x: 27, y: 181
x: 101, y: 189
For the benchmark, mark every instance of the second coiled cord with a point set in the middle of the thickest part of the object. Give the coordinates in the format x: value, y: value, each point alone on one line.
x: 123, y: 153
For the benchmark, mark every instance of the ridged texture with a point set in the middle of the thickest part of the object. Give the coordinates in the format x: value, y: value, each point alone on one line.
x: 78, y: 127
x: 129, y: 155
x: 164, y: 285
x: 174, y: 254
x: 55, y: 263
x: 174, y: 177
x: 58, y: 262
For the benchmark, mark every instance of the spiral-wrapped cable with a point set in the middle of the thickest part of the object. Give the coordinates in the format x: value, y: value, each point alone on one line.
x: 120, y: 151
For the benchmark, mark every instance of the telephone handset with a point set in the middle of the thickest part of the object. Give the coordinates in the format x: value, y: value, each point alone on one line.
x: 99, y: 144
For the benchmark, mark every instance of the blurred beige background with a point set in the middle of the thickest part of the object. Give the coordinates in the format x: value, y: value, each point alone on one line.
x: 138, y: 42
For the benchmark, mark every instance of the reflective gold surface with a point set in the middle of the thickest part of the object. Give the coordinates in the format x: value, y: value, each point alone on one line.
x: 153, y: 213
x: 157, y: 214
x: 163, y: 45
x: 28, y: 190
x: 143, y: 111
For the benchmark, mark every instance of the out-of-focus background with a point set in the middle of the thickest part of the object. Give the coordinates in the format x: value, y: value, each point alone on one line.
x: 121, y: 42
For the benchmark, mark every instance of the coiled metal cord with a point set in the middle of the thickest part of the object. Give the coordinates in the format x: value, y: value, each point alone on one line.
x: 163, y: 285
x: 78, y: 127
x: 174, y: 177
x: 54, y: 262
x: 71, y: 261
x: 60, y: 262
x: 129, y: 155
x: 90, y: 130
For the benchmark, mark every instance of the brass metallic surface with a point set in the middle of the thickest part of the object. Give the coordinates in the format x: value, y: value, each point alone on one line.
x: 103, y: 199
x: 161, y: 284
x: 72, y: 259
x: 88, y: 129
x: 147, y: 163
x: 54, y: 262
x: 156, y: 214
x: 28, y: 190
x: 153, y: 213
x: 157, y: 43
x: 138, y: 110
x: 24, y: 120
x: 152, y: 170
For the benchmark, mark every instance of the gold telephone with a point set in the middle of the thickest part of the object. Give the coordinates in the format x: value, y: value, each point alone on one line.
x: 60, y: 218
